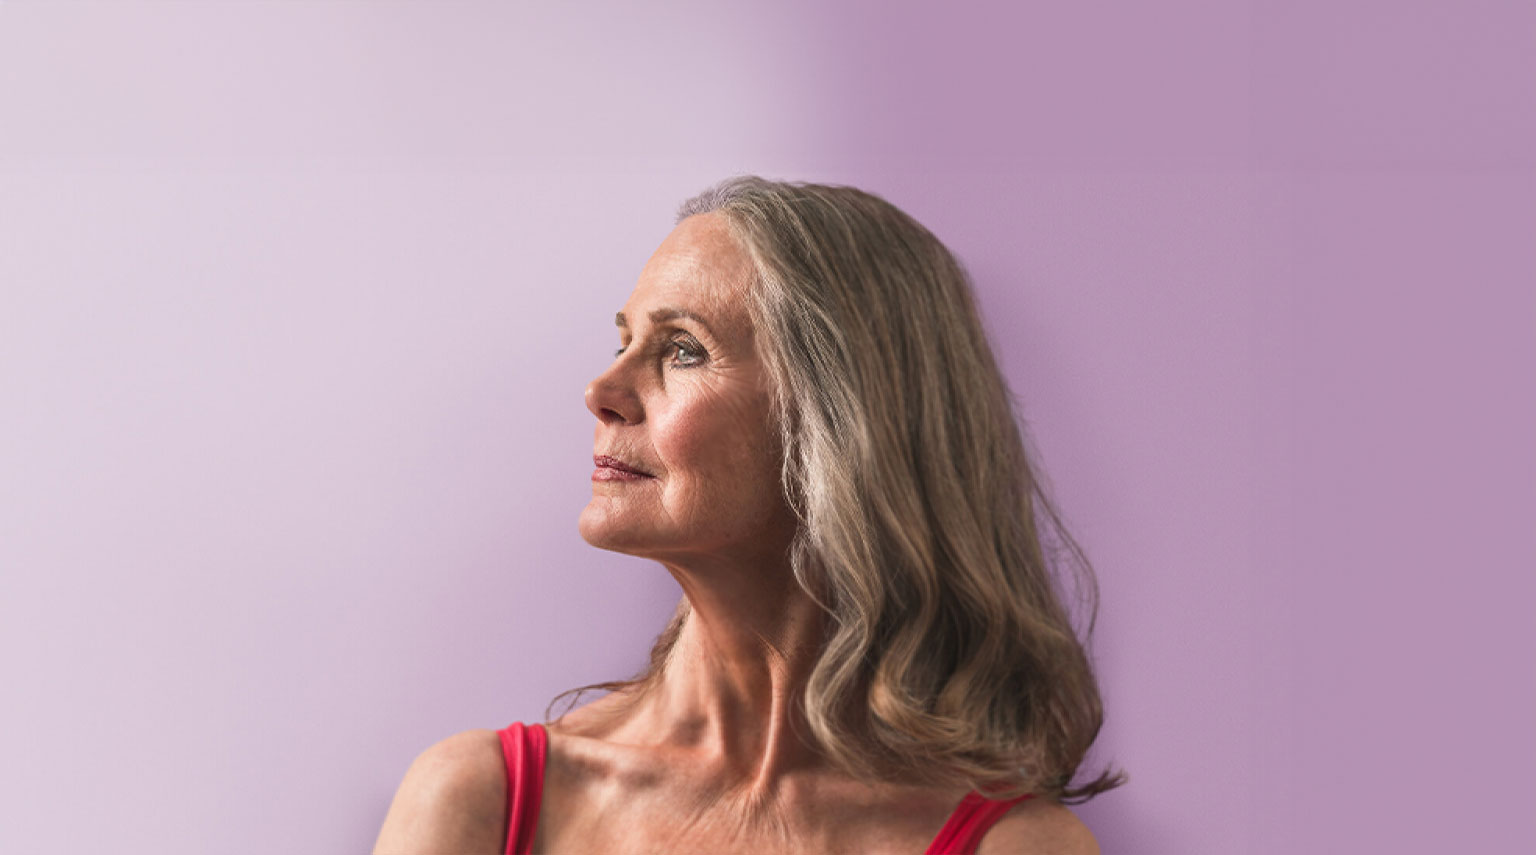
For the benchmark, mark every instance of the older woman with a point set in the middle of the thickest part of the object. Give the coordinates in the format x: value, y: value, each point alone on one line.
x: 804, y: 424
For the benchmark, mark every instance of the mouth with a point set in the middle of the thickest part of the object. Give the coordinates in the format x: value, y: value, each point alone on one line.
x: 614, y: 469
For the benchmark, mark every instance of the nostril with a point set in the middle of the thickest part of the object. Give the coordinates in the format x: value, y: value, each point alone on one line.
x: 613, y: 402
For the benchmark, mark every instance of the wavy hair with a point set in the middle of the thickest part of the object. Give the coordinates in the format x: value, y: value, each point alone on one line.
x: 926, y: 532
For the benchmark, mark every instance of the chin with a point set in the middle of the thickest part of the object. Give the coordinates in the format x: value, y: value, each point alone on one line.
x: 605, y: 530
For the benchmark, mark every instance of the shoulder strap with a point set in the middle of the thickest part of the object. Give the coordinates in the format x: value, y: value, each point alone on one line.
x: 523, y: 748
x: 971, y: 819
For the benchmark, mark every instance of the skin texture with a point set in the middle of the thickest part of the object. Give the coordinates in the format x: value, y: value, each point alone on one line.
x: 710, y: 760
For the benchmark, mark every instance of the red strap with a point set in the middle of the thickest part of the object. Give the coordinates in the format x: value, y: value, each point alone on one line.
x: 523, y: 748
x: 971, y: 819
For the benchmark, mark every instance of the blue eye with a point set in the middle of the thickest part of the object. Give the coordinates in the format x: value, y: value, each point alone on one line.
x: 687, y: 354
x: 691, y: 355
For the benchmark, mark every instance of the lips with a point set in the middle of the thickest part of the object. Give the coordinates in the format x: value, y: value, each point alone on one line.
x: 603, y: 461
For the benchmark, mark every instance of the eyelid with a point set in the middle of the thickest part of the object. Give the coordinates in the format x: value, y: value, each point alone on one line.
x: 689, y: 346
x: 682, y: 339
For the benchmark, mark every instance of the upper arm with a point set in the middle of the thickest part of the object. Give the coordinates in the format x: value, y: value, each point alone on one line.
x: 1039, y: 827
x: 453, y: 800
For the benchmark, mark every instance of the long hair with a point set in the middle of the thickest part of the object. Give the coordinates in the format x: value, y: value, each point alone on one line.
x: 925, y: 532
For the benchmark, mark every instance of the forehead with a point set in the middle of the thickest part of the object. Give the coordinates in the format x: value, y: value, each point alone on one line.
x: 700, y: 267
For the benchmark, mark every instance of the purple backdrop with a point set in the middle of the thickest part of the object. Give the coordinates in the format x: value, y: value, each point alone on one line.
x: 298, y: 301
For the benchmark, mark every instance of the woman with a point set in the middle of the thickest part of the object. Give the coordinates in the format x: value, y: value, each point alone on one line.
x: 806, y: 426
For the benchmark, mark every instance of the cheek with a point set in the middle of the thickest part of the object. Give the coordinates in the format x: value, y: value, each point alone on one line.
x: 716, y: 448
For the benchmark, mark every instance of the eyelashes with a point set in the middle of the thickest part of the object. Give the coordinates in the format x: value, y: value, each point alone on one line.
x: 691, y: 353
x: 685, y: 347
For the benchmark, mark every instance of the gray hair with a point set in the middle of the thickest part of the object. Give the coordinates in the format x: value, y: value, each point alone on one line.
x: 924, y: 531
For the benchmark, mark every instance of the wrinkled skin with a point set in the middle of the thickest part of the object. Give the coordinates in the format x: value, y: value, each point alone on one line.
x: 688, y: 401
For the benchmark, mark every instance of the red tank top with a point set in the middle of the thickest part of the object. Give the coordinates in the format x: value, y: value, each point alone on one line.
x: 524, y: 748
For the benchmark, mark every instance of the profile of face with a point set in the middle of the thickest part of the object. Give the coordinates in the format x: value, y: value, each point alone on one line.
x: 687, y: 403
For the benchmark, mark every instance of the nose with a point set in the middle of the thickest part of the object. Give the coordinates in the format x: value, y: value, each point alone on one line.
x: 612, y: 399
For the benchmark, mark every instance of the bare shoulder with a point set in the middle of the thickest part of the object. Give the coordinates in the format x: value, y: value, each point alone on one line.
x: 1039, y: 827
x: 453, y: 799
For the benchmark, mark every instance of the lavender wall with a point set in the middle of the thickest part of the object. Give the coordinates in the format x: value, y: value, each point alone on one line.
x: 297, y: 303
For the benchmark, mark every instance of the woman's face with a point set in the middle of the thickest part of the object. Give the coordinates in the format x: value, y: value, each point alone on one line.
x: 687, y: 403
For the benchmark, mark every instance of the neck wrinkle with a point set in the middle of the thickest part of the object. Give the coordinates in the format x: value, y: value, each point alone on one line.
x: 732, y: 684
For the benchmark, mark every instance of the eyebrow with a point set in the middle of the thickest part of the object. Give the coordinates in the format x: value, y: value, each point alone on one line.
x: 662, y: 315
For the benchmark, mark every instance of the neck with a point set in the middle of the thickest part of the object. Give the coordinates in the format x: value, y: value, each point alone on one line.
x: 731, y: 686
